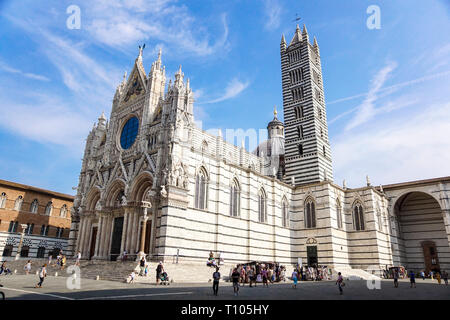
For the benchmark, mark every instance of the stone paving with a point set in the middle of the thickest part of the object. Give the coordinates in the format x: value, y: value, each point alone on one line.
x: 54, y: 288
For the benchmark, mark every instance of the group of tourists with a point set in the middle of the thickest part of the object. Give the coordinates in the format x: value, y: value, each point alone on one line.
x: 313, y: 273
x: 144, y: 267
x: 259, y: 273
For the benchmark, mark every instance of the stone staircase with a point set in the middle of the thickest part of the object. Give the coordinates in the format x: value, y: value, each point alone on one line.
x: 355, y: 274
x: 186, y: 272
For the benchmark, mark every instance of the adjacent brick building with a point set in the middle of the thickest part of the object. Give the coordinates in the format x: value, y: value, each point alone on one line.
x: 45, y: 213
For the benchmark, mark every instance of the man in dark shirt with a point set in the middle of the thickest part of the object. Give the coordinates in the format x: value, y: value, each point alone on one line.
x: 235, y: 277
x: 216, y: 278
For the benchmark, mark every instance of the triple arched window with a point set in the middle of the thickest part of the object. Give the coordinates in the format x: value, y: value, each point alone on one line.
x: 285, y: 213
x: 34, y: 206
x: 358, y: 217
x: 310, y: 213
x: 3, y: 198
x: 235, y: 193
x: 262, y: 206
x: 201, y: 189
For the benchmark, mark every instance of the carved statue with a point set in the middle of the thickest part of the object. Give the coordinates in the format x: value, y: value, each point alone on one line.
x: 163, y: 192
x: 123, y: 201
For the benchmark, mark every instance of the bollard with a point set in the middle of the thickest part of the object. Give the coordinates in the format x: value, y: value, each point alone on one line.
x: 15, y: 271
x: 56, y: 274
x: 37, y: 273
x: 97, y: 278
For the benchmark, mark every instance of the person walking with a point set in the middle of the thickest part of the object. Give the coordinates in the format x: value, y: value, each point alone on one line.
x: 78, y: 258
x: 142, y: 266
x: 42, y: 275
x: 27, y: 267
x: 295, y: 278
x: 63, y: 262
x: 235, y: 277
x: 340, y: 283
x: 438, y: 277
x: 251, y: 276
x: 396, y: 275
x: 264, y: 277
x: 445, y: 277
x: 216, y: 278
x: 4, y: 269
x: 159, y: 270
x: 412, y: 278
x: 422, y: 274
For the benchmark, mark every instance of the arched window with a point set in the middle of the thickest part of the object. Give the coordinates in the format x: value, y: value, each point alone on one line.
x: 235, y: 195
x: 3, y: 200
x: 34, y: 206
x: 49, y: 208
x: 40, y: 252
x: 59, y: 232
x: 63, y: 211
x: 201, y: 190
x: 262, y: 206
x: 300, y: 149
x: 285, y: 213
x: 18, y: 203
x: 339, y: 214
x: 300, y: 132
x: 358, y: 217
x: 310, y: 214
x: 29, y: 229
x: 204, y: 147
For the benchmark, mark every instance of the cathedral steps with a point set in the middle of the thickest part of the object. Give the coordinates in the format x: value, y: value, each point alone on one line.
x: 355, y: 274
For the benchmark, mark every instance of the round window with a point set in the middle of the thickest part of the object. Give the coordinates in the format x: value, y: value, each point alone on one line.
x: 129, y: 133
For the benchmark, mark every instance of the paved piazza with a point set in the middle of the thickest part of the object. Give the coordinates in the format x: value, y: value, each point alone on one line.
x: 20, y: 287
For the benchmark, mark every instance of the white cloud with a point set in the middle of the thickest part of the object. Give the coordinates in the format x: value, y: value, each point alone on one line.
x: 234, y: 87
x: 396, y: 149
x: 366, y: 110
x: 123, y: 23
x: 272, y: 12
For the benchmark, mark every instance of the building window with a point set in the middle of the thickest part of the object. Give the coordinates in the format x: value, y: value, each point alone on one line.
x: 13, y: 226
x: 7, y: 250
x: 18, y: 203
x: 129, y: 133
x: 40, y: 252
x: 298, y: 112
x: 59, y: 232
x: 3, y: 198
x: 262, y: 206
x: 63, y: 211
x: 235, y: 199
x: 29, y: 229
x: 324, y: 151
x: 300, y: 149
x: 34, y: 206
x: 338, y: 214
x: 300, y: 132
x: 310, y: 214
x: 49, y: 208
x: 358, y: 217
x: 285, y: 213
x: 201, y: 190
x: 24, y: 251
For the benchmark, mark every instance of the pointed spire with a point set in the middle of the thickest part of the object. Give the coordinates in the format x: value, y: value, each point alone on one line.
x: 125, y: 77
x: 283, y: 40
x: 315, y: 42
x: 297, y: 36
x: 159, y: 54
x: 304, y: 30
x: 102, y: 117
x: 275, y: 112
x: 368, y: 180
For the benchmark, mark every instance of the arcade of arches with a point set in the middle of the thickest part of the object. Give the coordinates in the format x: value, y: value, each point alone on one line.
x: 114, y: 225
x: 423, y: 241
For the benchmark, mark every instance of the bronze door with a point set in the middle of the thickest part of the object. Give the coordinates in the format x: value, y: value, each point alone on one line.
x: 93, y: 240
x: 430, y: 256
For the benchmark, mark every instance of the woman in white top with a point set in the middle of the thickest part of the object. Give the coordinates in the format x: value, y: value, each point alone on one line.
x: 27, y: 267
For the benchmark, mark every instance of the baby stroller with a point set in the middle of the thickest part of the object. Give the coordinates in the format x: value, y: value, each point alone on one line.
x: 164, y: 278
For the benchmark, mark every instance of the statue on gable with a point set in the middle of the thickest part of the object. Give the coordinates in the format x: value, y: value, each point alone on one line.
x: 123, y: 201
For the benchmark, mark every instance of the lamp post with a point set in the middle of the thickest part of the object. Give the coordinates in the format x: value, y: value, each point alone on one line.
x: 19, y: 249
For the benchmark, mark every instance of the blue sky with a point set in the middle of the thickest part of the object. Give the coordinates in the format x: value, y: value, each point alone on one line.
x: 387, y: 90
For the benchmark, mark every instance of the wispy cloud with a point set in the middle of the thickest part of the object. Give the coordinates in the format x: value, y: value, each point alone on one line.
x: 272, y: 14
x: 396, y: 149
x: 6, y: 68
x: 234, y: 87
x: 123, y: 23
x: 366, y: 110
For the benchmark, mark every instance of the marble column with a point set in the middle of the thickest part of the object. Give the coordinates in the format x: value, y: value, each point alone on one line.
x: 109, y: 236
x: 99, y: 235
x: 134, y: 231
x: 81, y: 235
x: 87, y: 236
x: 101, y: 251
x: 124, y: 231
x: 129, y: 232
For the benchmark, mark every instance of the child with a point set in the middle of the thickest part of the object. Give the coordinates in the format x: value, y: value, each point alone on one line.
x: 340, y: 283
x: 27, y: 267
x: 42, y: 275
x: 131, y: 277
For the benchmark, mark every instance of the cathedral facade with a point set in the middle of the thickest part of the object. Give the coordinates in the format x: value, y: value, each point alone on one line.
x: 153, y: 183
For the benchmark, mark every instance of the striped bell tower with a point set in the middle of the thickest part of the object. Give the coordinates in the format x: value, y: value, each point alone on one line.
x: 307, y: 149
